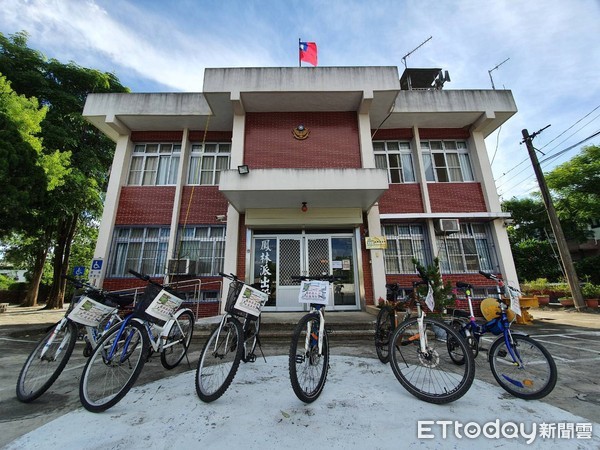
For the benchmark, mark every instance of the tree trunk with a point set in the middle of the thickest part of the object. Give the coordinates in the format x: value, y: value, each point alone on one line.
x: 62, y: 251
x: 38, y: 270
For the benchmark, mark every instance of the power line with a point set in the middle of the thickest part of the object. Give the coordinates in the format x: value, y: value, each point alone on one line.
x: 579, y: 120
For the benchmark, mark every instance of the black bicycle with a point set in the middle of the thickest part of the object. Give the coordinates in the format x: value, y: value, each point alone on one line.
x: 233, y: 341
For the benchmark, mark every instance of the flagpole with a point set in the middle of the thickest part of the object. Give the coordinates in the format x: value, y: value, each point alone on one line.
x: 299, y: 60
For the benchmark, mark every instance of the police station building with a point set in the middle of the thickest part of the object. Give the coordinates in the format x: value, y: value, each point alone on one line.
x: 274, y: 172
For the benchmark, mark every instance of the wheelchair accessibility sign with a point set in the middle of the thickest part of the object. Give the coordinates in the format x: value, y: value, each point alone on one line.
x: 96, y: 268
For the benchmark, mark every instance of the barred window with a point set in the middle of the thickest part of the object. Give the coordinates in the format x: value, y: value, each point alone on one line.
x: 446, y: 161
x: 154, y: 164
x: 207, y: 161
x: 141, y: 249
x: 467, y: 251
x: 205, y: 245
x: 404, y: 242
x: 396, y: 158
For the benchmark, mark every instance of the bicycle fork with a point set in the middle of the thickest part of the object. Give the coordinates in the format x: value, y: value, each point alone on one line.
x: 50, y: 341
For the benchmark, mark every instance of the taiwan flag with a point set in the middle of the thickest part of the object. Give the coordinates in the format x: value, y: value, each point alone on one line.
x: 308, y: 52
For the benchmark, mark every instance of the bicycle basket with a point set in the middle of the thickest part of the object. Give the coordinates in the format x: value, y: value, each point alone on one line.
x: 235, y: 287
x: 142, y: 303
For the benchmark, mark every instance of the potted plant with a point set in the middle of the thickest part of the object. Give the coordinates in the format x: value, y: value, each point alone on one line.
x: 538, y: 288
x: 443, y: 295
x: 591, y: 294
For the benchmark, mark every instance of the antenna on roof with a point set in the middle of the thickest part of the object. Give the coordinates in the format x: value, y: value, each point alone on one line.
x: 414, y: 50
x: 490, y: 72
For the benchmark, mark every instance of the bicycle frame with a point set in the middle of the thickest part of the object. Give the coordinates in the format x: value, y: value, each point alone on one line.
x: 307, y: 345
x: 477, y: 330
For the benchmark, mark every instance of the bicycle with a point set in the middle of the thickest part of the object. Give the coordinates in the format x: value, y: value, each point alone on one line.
x: 155, y: 325
x: 418, y: 361
x: 234, y: 340
x: 387, y: 321
x: 521, y: 366
x: 95, y: 310
x: 309, y: 349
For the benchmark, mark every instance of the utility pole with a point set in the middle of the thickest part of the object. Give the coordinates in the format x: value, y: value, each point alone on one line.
x: 561, y: 242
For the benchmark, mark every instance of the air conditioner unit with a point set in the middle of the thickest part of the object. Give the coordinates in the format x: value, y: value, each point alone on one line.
x: 448, y: 226
x: 181, y: 267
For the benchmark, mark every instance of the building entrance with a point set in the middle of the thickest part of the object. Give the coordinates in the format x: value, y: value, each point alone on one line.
x: 279, y: 257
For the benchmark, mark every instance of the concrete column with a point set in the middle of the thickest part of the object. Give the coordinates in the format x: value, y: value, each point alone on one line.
x: 377, y: 256
x: 118, y: 177
x: 184, y: 158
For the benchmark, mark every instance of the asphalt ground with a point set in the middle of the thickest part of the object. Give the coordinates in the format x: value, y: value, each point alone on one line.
x: 573, y: 338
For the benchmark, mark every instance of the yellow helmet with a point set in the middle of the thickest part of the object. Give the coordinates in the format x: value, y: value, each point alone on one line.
x: 490, y: 309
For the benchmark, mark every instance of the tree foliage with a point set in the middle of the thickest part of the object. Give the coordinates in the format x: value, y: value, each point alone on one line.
x: 75, y: 156
x: 576, y: 186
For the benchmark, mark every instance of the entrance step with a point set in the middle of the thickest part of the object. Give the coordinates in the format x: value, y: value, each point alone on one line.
x: 342, y: 326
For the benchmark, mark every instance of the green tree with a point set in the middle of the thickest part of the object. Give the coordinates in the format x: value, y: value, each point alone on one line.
x: 575, y: 186
x: 22, y: 176
x: 72, y: 148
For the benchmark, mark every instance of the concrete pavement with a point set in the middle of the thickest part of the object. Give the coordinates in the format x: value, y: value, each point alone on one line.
x: 361, y: 394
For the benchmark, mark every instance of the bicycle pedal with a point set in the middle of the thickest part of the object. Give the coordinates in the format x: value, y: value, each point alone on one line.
x: 300, y: 359
x: 251, y: 358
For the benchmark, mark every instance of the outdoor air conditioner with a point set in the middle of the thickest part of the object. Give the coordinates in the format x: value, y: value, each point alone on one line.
x: 448, y: 226
x: 182, y: 267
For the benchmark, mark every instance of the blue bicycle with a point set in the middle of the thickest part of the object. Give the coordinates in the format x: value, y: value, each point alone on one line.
x: 521, y: 366
x: 155, y: 325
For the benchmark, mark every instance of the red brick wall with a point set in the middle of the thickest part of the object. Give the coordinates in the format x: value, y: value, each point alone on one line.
x: 211, y: 136
x: 366, y: 267
x: 241, y: 258
x: 156, y: 136
x: 333, y: 141
x: 401, y: 134
x: 405, y: 281
x: 456, y: 197
x: 145, y: 205
x: 401, y: 198
x: 443, y: 133
x: 177, y: 136
x: 207, y: 202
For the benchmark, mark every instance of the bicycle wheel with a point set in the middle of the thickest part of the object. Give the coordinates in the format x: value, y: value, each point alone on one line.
x: 114, y: 366
x: 178, y: 339
x: 308, y: 368
x: 251, y: 329
x: 431, y: 375
x: 383, y: 330
x: 534, y: 378
x: 219, y: 361
x: 454, y: 347
x: 46, y: 361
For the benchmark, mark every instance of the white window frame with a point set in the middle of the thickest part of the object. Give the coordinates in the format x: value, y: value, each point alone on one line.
x: 207, y: 161
x: 402, y: 236
x: 143, y: 249
x: 204, y: 244
x: 396, y: 158
x: 468, y: 251
x: 154, y: 164
x: 447, y: 161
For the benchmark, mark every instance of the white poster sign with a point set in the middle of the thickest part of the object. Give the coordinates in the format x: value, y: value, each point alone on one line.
x: 90, y: 312
x: 251, y: 300
x: 164, y: 305
x: 314, y: 291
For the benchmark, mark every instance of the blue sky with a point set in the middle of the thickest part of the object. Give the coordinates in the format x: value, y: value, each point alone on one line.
x: 164, y: 46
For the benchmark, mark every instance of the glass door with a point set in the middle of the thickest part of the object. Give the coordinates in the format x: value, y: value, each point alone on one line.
x: 278, y: 258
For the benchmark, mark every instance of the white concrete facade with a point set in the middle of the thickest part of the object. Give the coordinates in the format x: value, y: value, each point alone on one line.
x: 342, y: 198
